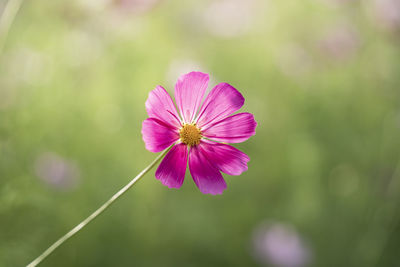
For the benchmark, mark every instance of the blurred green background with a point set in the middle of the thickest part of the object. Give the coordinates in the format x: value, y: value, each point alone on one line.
x: 321, y: 76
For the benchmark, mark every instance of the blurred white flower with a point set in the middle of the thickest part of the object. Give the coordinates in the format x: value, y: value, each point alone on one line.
x: 2, y: 5
x: 92, y: 5
x: 82, y: 48
x: 136, y: 6
x: 335, y: 3
x: 280, y: 245
x: 179, y: 66
x: 25, y: 65
x: 387, y: 13
x: 293, y: 60
x: 57, y: 172
x: 22, y: 66
x: 229, y: 18
x: 340, y: 42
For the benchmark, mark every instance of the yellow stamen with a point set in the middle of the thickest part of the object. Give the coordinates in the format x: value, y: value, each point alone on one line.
x: 190, y: 134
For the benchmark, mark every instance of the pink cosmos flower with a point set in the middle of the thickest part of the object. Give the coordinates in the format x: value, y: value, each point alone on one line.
x: 197, y: 136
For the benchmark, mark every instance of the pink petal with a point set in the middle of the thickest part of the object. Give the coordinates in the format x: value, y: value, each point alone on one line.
x: 159, y: 105
x: 157, y: 135
x: 226, y: 158
x: 189, y: 92
x: 206, y: 176
x: 234, y: 129
x: 222, y: 101
x: 171, y: 171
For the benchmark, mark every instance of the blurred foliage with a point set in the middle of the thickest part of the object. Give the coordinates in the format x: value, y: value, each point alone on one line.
x: 321, y: 77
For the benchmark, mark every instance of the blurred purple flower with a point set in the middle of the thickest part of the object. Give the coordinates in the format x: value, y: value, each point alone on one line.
x: 280, y: 245
x: 387, y: 13
x: 340, y: 42
x: 56, y: 171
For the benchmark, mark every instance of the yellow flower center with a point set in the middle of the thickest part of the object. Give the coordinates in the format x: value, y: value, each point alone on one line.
x: 190, y: 134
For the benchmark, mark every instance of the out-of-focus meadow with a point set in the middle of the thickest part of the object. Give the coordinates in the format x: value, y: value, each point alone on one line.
x: 321, y: 76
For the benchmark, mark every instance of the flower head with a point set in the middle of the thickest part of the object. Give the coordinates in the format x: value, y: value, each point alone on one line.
x: 199, y: 133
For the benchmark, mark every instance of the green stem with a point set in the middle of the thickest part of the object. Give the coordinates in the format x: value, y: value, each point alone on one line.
x: 92, y: 216
x: 7, y: 18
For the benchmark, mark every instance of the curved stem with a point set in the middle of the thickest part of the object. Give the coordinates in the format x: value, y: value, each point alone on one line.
x: 7, y: 18
x: 92, y: 216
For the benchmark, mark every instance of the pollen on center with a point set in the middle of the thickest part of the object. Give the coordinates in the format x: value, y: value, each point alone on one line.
x: 190, y: 134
